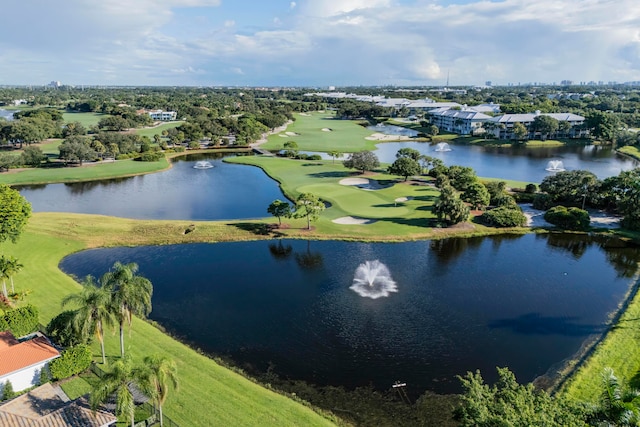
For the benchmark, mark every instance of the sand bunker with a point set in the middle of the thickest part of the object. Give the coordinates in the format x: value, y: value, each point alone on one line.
x: 327, y: 130
x: 403, y: 199
x: 350, y: 220
x: 305, y: 114
x: 364, y: 183
x: 292, y: 133
x: 283, y: 136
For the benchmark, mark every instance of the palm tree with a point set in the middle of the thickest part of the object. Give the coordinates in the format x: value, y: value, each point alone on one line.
x: 117, y: 380
x: 617, y: 403
x: 93, y: 313
x: 13, y: 267
x: 131, y: 294
x: 4, y: 274
x: 156, y: 376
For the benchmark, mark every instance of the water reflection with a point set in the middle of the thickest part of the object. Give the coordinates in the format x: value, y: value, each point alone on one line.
x: 227, y: 191
x: 526, y: 302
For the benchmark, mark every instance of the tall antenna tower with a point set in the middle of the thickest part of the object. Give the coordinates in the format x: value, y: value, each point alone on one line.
x: 447, y: 86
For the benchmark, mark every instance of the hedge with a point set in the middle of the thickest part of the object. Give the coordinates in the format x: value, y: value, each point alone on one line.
x: 73, y: 361
x: 20, y: 321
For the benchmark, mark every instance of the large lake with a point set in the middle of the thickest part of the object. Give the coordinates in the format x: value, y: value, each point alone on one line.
x: 225, y: 191
x: 526, y: 302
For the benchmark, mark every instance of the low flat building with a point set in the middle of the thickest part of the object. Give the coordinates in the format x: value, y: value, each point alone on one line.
x: 505, y: 122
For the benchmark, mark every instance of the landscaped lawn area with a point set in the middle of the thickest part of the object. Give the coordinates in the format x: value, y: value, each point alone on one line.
x: 149, y: 132
x: 86, y: 119
x: 209, y: 394
x: 631, y: 150
x: 346, y: 136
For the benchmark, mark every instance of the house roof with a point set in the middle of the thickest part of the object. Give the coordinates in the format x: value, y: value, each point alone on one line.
x: 44, y: 407
x: 17, y: 355
x: 7, y: 340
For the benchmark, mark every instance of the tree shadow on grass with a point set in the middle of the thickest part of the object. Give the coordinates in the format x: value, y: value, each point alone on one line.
x: 414, y: 222
x: 333, y: 174
x: 258, y: 229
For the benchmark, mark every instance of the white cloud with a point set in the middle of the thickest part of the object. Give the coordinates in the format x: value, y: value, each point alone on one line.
x: 323, y: 41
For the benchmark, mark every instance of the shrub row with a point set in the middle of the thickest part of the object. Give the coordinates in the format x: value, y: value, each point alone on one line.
x: 20, y: 321
x: 72, y: 361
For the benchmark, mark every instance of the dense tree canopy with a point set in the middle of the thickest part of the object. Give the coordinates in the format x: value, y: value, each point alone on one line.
x: 15, y: 210
x: 363, y: 161
x: 405, y: 167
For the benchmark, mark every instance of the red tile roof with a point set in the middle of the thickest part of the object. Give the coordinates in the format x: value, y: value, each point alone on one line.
x: 7, y: 340
x: 15, y: 355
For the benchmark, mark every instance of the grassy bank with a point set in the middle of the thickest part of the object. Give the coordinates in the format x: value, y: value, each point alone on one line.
x: 631, y: 151
x: 87, y: 172
x: 209, y: 394
x: 617, y: 350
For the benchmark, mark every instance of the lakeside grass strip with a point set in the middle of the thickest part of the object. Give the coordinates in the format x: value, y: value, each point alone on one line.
x: 209, y: 393
x: 116, y: 169
x: 618, y: 350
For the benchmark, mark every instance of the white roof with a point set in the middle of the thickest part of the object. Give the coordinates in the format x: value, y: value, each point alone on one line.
x: 460, y: 114
x: 511, y: 118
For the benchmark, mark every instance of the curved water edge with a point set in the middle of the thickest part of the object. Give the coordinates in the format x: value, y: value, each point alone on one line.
x: 439, y: 315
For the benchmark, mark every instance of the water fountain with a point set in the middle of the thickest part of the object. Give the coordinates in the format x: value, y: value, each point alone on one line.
x: 555, y: 166
x: 373, y: 280
x: 203, y: 164
x: 442, y: 146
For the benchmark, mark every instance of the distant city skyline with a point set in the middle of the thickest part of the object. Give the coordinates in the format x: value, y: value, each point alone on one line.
x: 319, y: 43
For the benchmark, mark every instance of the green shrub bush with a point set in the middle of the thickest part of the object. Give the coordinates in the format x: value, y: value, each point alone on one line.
x: 7, y: 391
x: 20, y: 321
x: 504, y: 216
x: 150, y: 156
x: 568, y: 218
x: 72, y: 361
x: 542, y: 201
x: 59, y: 330
x: 531, y: 188
x: 178, y: 149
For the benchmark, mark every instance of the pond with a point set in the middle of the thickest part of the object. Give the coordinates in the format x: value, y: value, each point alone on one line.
x: 393, y: 130
x: 519, y: 163
x: 186, y: 191
x: 458, y: 304
x: 6, y: 114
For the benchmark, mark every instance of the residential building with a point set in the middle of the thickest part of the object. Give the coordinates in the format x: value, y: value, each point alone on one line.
x: 463, y: 122
x: 23, y: 359
x: 48, y: 406
x: 504, y: 124
x: 162, y: 115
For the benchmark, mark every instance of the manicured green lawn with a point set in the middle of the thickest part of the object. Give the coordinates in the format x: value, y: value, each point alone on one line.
x: 85, y: 173
x: 149, y: 132
x: 209, y: 394
x: 76, y: 387
x: 86, y: 119
x: 345, y: 136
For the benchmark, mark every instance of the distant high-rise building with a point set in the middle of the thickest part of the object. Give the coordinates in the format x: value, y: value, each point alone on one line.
x: 566, y: 82
x: 55, y: 84
x: 487, y: 83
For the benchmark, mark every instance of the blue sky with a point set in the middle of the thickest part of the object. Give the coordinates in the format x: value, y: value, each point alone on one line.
x: 318, y: 42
